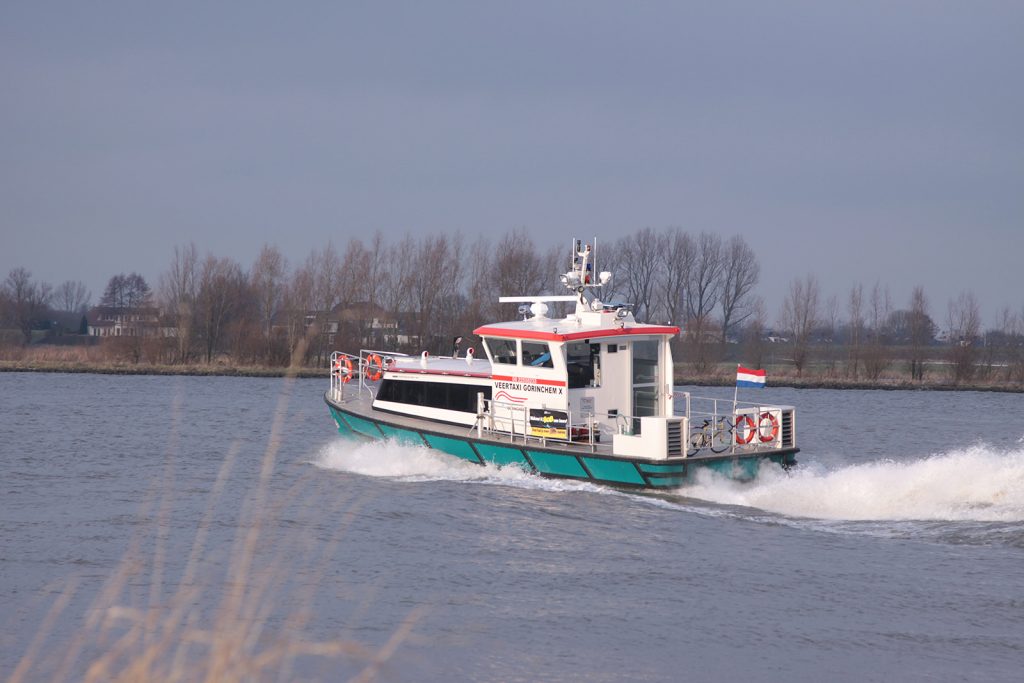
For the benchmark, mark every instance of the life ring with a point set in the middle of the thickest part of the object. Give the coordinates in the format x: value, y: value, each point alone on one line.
x: 760, y: 424
x: 374, y: 361
x: 748, y: 427
x: 343, y: 369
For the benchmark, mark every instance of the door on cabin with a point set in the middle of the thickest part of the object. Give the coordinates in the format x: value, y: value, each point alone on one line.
x: 645, y: 355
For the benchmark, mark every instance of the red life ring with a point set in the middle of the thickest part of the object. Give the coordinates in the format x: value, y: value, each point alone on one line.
x: 343, y: 369
x: 374, y: 361
x: 760, y: 423
x: 750, y: 429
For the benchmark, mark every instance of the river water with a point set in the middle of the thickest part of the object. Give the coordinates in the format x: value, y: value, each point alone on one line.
x: 895, y: 551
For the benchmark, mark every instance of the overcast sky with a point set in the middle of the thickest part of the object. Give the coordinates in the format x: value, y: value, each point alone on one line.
x: 858, y: 141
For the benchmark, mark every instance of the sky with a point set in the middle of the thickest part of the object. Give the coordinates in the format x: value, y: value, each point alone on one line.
x: 860, y: 142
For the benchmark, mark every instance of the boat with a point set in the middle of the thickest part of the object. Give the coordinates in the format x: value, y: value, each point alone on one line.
x: 588, y: 396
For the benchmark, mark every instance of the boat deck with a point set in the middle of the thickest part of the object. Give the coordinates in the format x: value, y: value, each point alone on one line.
x: 548, y: 457
x: 361, y: 404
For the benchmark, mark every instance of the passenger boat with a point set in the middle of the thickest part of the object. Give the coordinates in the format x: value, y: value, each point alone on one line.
x: 586, y: 397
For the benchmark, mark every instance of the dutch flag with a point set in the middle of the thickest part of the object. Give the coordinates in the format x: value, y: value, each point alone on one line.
x: 745, y: 377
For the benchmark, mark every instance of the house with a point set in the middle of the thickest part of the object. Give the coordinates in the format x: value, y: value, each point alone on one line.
x: 371, y: 323
x: 361, y: 324
x: 116, y: 321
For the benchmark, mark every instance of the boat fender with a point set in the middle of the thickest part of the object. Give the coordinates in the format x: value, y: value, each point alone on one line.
x: 374, y: 367
x: 749, y: 429
x: 766, y: 438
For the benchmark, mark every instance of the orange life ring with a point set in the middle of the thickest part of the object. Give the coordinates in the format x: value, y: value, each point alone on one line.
x: 374, y: 360
x: 343, y: 369
x: 751, y: 429
x: 775, y: 427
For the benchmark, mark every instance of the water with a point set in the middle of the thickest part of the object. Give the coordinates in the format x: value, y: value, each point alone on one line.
x: 893, y: 552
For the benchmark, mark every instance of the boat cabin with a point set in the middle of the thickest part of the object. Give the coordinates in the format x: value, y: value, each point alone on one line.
x: 593, y: 366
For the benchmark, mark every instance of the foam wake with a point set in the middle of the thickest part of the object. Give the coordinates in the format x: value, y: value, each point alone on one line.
x: 392, y: 460
x: 979, y: 484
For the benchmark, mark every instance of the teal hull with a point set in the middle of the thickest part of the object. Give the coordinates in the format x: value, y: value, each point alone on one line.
x: 655, y: 474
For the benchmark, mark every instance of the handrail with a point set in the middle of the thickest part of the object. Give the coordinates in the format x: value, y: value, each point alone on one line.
x: 488, y: 420
x: 712, y: 410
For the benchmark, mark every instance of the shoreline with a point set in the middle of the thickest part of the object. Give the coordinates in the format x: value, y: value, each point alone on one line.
x: 160, y: 370
x: 679, y: 379
x: 842, y: 384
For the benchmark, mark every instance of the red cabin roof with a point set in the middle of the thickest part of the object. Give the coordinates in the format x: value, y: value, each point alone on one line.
x: 553, y: 335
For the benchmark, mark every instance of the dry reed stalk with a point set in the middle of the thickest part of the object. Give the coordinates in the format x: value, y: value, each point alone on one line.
x: 158, y: 642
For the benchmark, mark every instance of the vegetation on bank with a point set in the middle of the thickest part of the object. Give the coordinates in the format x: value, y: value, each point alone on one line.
x: 721, y: 375
x: 211, y: 315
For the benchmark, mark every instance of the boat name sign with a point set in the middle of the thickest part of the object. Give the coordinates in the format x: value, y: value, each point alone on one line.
x: 529, y: 384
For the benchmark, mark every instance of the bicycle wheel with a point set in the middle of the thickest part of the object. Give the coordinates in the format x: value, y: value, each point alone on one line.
x: 721, y: 439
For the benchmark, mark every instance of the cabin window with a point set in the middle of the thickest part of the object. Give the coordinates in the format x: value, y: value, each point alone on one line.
x: 583, y: 363
x: 645, y: 362
x: 503, y: 351
x: 537, y: 354
x: 443, y: 395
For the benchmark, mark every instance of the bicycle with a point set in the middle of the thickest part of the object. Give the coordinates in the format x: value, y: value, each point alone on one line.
x: 718, y: 437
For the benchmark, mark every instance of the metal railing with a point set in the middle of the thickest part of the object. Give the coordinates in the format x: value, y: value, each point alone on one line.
x: 723, y: 425
x: 511, y: 419
x: 367, y: 369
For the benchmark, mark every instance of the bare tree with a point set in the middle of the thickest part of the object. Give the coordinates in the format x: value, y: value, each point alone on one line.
x: 28, y: 301
x: 396, y: 285
x: 221, y: 296
x: 353, y: 296
x: 178, y: 295
x: 297, y: 302
x: 964, y: 326
x: 72, y: 297
x: 705, y: 283
x: 481, y: 292
x: 740, y: 272
x: 324, y: 267
x: 518, y: 269
x: 609, y: 259
x: 640, y: 259
x: 831, y: 324
x: 678, y: 256
x: 267, y: 282
x: 856, y: 310
x: 434, y: 281
x: 753, y: 343
x: 921, y: 331
x: 703, y: 291
x: 876, y: 353
x: 800, y: 317
x: 1013, y: 327
x: 127, y: 291
x: 377, y: 254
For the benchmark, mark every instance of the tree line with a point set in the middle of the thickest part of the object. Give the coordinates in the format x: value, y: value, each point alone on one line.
x: 418, y: 292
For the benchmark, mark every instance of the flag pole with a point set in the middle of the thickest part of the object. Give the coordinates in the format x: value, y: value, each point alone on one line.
x: 735, y: 392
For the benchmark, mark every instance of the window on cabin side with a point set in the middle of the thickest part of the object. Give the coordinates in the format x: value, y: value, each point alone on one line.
x: 447, y: 396
x: 537, y: 355
x: 645, y: 362
x: 583, y: 362
x: 503, y: 351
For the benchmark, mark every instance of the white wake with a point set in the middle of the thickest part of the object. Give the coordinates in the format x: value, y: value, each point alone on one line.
x: 978, y: 484
x: 392, y: 460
